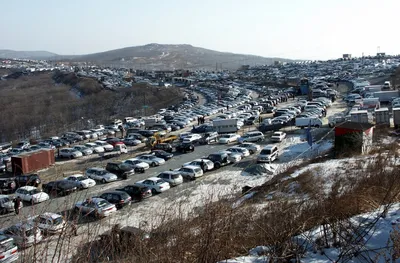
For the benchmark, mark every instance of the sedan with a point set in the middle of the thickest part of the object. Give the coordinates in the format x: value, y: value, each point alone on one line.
x: 151, y: 160
x: 138, y: 165
x: 156, y: 185
x: 59, y: 188
x: 228, y: 138
x: 132, y: 142
x: 95, y: 206
x: 162, y: 154
x: 107, y: 147
x: 204, y: 164
x: 83, y: 149
x: 252, y: 147
x: 50, y: 223
x: 94, y: 147
x: 81, y: 181
x: 101, y: 174
x: 192, y: 138
x: 239, y: 150
x: 31, y: 194
x: 70, y: 153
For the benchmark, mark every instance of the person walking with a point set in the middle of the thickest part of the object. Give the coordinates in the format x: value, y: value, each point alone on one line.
x: 203, y: 165
x: 17, y: 205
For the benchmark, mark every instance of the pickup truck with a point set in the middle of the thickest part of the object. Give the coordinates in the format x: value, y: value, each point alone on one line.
x: 278, y: 136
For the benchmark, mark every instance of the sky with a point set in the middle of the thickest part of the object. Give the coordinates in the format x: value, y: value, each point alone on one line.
x: 297, y: 29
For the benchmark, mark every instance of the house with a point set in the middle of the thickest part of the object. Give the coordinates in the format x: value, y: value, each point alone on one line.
x: 353, y: 137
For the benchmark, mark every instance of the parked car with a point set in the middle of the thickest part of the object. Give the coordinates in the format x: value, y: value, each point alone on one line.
x: 107, y: 147
x: 100, y: 174
x: 209, y: 137
x: 151, y: 160
x: 131, y: 142
x: 81, y: 181
x: 163, y: 146
x: 252, y: 147
x: 228, y: 138
x: 23, y: 145
x: 253, y: 136
x: 268, y: 154
x: 137, y: 193
x: 59, y: 188
x: 120, y: 169
x: 7, y: 205
x: 31, y: 194
x: 190, y: 172
x: 94, y: 147
x: 205, y: 164
x: 8, y: 249
x: 174, y: 178
x: 27, y: 179
x: 50, y: 223
x: 139, y: 166
x: 118, y: 198
x: 97, y: 207
x: 70, y: 153
x: 162, y: 154
x: 233, y: 157
x: 192, y: 138
x: 184, y: 147
x: 24, y: 234
x: 219, y: 159
x: 155, y: 184
x: 239, y: 150
x: 7, y: 185
x: 83, y: 149
x: 278, y: 136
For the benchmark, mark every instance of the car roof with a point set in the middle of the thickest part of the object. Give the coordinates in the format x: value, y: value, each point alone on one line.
x: 4, y: 196
x: 97, y: 199
x: 96, y: 168
x: 152, y: 178
x: 269, y: 147
x: 51, y: 215
x: 191, y: 166
x: 76, y: 175
x: 28, y: 187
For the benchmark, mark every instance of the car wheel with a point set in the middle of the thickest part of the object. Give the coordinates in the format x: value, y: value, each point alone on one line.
x: 259, y: 140
x: 103, y: 181
x: 153, y: 164
x: 153, y: 191
x: 217, y: 165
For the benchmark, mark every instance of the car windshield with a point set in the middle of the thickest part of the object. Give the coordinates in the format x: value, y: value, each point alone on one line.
x: 265, y: 152
x: 225, y: 136
x: 102, y: 203
x: 34, y: 191
x: 81, y: 178
x: 58, y: 220
x: 7, y: 245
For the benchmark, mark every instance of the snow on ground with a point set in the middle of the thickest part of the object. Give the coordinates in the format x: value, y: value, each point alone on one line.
x: 376, y: 244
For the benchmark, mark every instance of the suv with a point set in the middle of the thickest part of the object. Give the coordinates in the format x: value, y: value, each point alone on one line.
x: 163, y: 146
x: 209, y: 137
x: 118, y: 198
x: 254, y: 136
x: 219, y: 159
x: 268, y: 154
x: 120, y: 169
x: 185, y: 147
x: 27, y: 179
x: 174, y: 178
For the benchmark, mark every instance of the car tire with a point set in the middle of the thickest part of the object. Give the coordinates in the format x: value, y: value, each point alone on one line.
x: 103, y: 181
x: 259, y: 140
x: 217, y: 165
x: 153, y: 191
x: 153, y: 164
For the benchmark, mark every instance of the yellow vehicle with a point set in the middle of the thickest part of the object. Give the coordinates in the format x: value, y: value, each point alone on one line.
x: 161, y: 138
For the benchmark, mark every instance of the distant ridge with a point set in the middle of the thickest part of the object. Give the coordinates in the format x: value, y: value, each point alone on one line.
x: 6, y: 53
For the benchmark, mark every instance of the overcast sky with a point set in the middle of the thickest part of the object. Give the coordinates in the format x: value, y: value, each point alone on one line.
x: 302, y: 29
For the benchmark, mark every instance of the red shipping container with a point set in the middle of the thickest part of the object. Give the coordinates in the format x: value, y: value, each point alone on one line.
x: 30, y: 162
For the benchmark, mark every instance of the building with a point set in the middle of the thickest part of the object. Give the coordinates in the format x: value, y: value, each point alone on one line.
x: 353, y: 138
x: 346, y: 56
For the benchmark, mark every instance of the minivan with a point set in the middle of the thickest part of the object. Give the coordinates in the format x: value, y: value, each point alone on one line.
x: 268, y: 154
x: 253, y: 136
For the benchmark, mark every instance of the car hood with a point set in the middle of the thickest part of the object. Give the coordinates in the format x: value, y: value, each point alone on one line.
x: 9, y: 204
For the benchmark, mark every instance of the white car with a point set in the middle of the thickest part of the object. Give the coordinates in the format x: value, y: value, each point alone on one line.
x: 151, y: 160
x: 50, y: 223
x: 107, y: 147
x: 83, y: 149
x: 239, y: 150
x: 82, y: 181
x: 228, y: 138
x: 278, y: 136
x: 191, y: 138
x: 31, y: 194
x: 97, y: 207
x: 190, y: 172
x: 94, y: 147
x: 207, y: 164
x: 70, y: 153
x: 252, y: 147
x: 138, y: 165
x: 101, y: 174
x: 174, y: 178
x: 155, y: 184
x: 233, y: 157
x: 25, y: 234
x: 7, y: 204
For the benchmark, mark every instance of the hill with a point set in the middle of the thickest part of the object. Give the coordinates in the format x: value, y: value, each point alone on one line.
x: 6, y: 53
x: 160, y: 56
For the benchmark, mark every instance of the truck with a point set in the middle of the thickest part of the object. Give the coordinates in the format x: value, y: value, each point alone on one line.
x: 150, y: 122
x: 360, y: 116
x: 370, y: 103
x: 382, y: 116
x: 226, y: 126
x: 309, y: 121
x: 386, y: 96
x: 396, y: 117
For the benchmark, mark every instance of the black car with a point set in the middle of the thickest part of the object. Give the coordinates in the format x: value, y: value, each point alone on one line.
x: 7, y: 185
x: 163, y: 146
x: 184, y: 147
x: 118, y: 198
x: 202, y: 128
x: 27, y: 179
x: 162, y: 154
x: 59, y: 188
x: 120, y: 169
x: 146, y: 133
x: 137, y: 193
x: 219, y: 159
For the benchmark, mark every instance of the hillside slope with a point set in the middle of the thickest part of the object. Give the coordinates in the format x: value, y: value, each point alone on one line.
x: 6, y: 53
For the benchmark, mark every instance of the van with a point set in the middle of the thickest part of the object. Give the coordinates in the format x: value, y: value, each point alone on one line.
x: 253, y: 136
x: 268, y: 154
x: 305, y: 122
x: 8, y: 250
